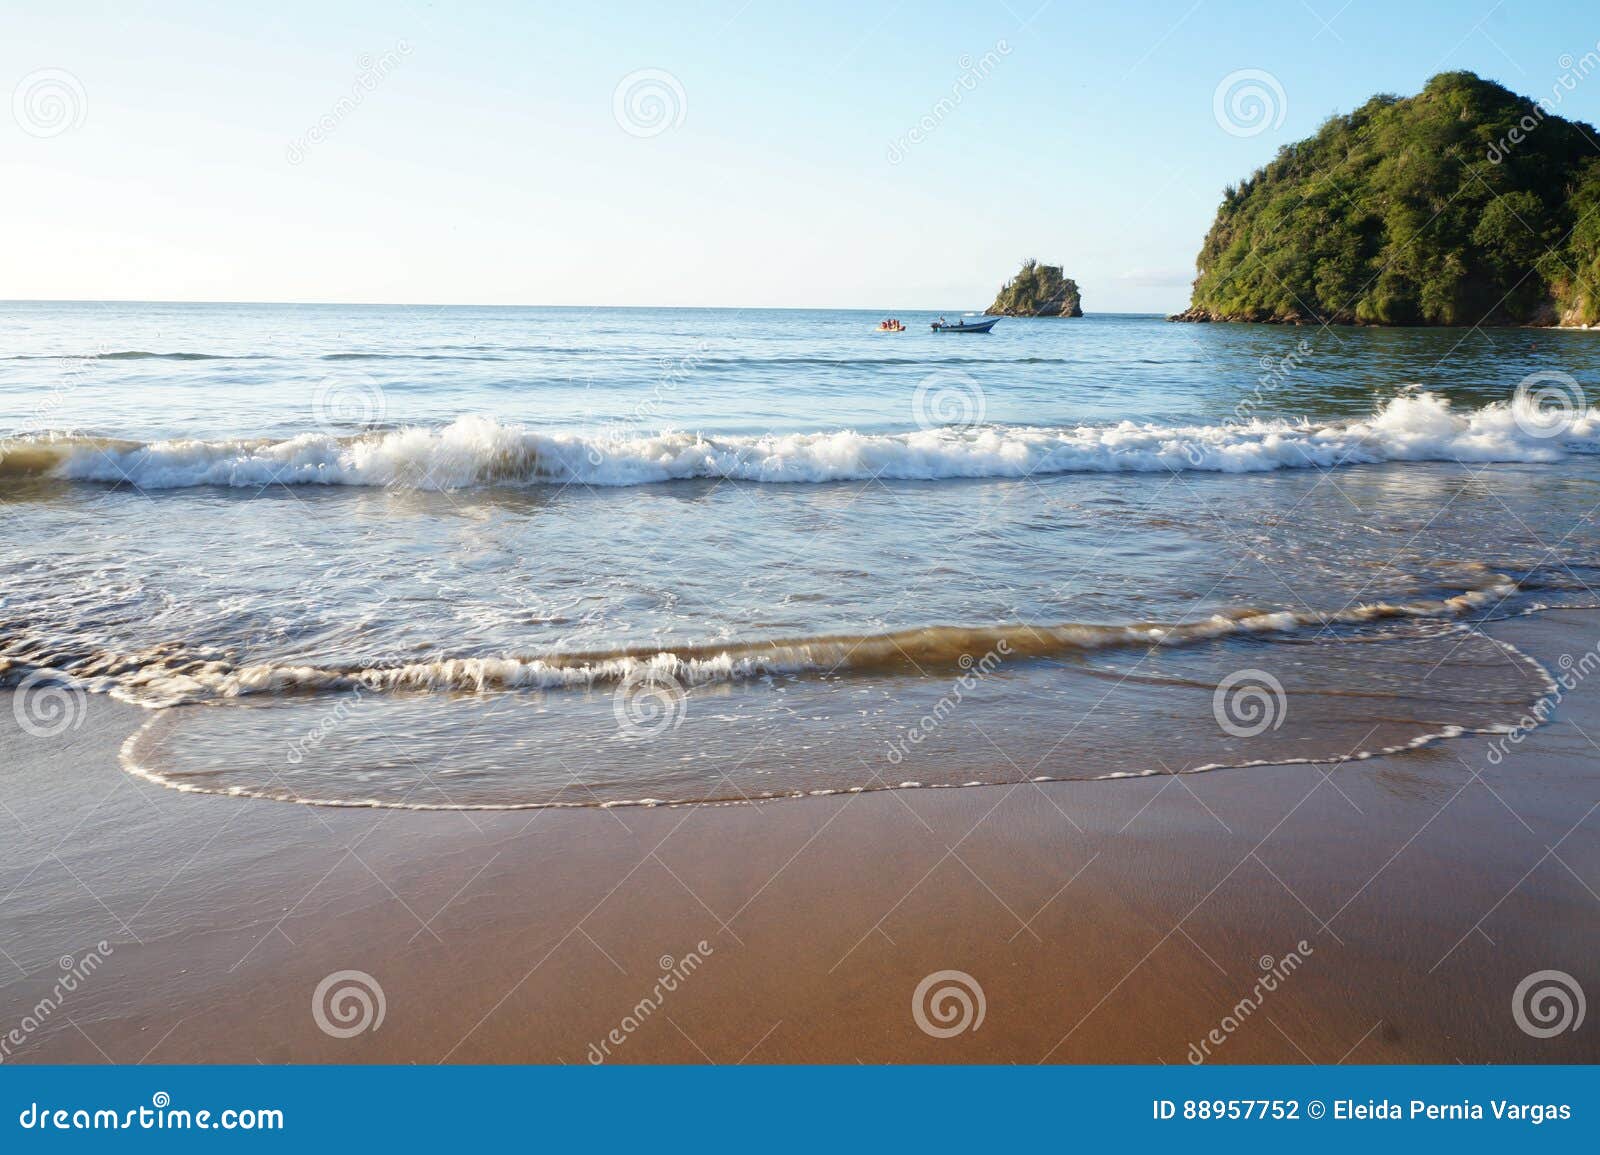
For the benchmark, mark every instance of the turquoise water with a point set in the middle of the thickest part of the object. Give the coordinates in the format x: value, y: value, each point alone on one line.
x: 499, y: 557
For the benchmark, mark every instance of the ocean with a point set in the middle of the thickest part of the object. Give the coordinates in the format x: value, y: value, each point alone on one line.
x: 451, y: 557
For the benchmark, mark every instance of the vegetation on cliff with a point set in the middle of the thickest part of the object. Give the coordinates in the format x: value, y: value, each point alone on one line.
x: 1038, y: 291
x: 1465, y: 204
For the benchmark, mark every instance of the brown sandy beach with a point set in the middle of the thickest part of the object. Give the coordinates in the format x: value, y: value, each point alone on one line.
x: 1111, y: 921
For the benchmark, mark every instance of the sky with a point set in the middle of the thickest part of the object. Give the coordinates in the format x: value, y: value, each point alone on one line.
x: 889, y: 156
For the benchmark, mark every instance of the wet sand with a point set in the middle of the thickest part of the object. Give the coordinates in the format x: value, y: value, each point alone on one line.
x: 1119, y: 921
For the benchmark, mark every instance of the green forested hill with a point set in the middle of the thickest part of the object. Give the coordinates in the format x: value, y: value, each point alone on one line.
x: 1464, y: 204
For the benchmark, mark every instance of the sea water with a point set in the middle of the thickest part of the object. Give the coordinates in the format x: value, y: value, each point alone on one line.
x: 501, y: 557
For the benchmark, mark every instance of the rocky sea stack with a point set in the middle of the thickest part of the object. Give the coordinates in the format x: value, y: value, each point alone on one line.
x: 1038, y: 291
x: 1463, y: 205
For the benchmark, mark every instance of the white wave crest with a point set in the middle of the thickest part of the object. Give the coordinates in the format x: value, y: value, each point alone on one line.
x: 474, y: 451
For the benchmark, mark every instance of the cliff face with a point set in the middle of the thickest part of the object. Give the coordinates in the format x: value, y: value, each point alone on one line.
x: 1463, y: 205
x: 1038, y: 291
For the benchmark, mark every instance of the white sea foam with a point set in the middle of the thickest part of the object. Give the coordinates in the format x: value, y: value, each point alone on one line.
x: 472, y: 451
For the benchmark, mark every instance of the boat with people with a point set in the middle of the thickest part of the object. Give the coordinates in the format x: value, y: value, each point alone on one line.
x: 891, y: 325
x: 982, y: 325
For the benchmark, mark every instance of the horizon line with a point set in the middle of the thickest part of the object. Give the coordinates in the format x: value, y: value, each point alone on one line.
x: 481, y: 305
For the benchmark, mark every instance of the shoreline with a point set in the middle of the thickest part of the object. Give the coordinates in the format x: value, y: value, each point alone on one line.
x: 1103, y: 921
x: 1204, y: 317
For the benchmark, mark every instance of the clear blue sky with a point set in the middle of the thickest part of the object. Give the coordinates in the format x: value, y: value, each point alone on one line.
x: 487, y: 164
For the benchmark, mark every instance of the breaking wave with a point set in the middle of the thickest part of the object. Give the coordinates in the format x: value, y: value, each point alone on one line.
x: 478, y: 451
x: 169, y: 676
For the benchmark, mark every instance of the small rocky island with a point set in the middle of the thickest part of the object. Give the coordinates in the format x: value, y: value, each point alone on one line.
x: 1463, y: 205
x: 1038, y: 291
